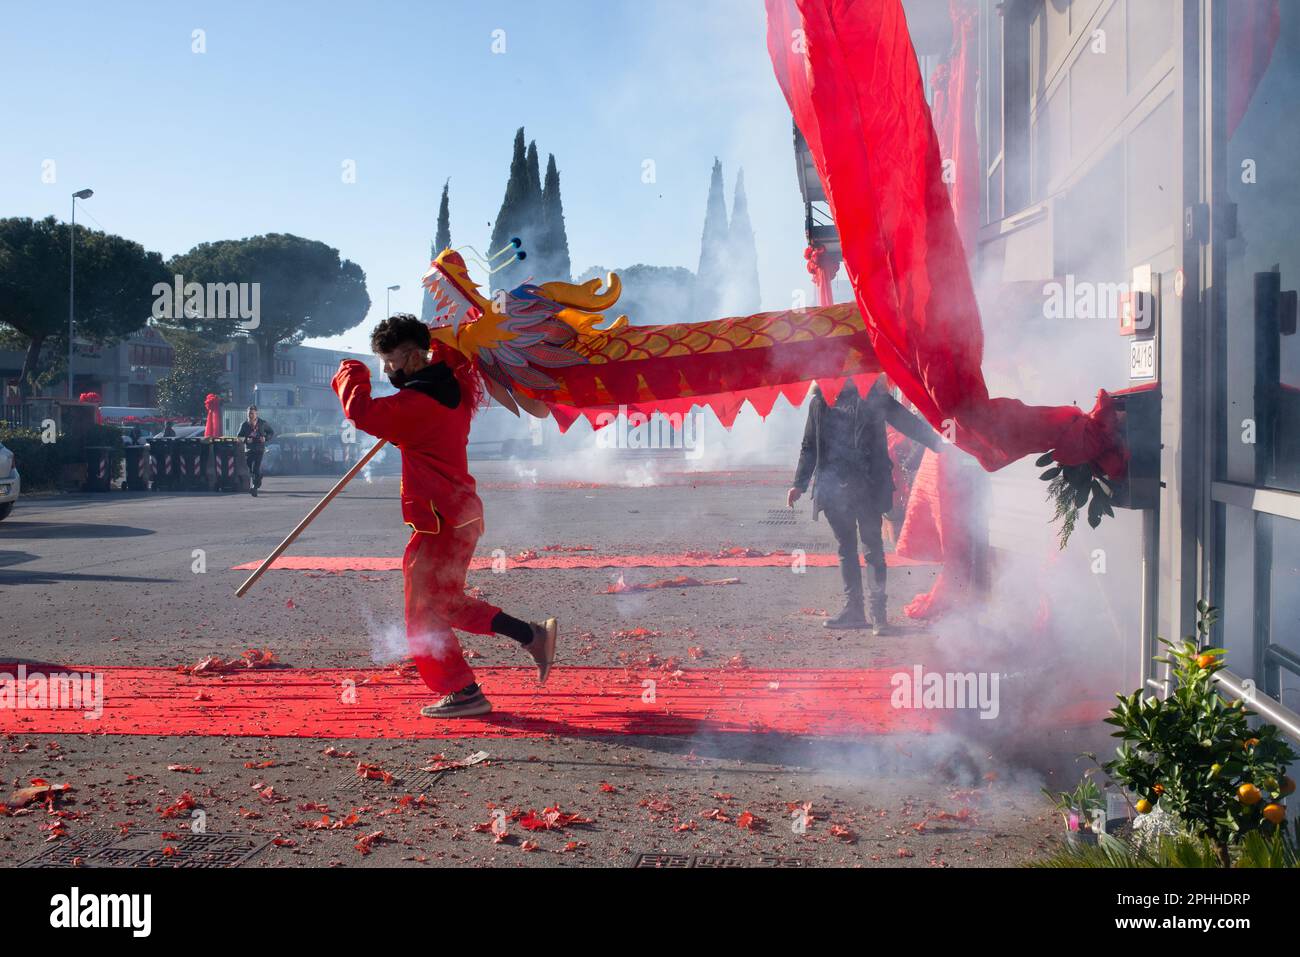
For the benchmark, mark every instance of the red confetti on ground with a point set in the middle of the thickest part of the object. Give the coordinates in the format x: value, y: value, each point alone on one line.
x: 40, y: 790
x: 214, y: 665
x: 363, y: 845
x: 681, y: 581
x: 551, y: 819
x: 844, y: 834
x: 636, y: 633
x: 727, y: 558
x: 178, y: 807
x: 373, y: 772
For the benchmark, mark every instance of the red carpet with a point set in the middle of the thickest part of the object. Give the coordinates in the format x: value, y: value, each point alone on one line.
x: 307, y: 703
x: 383, y: 563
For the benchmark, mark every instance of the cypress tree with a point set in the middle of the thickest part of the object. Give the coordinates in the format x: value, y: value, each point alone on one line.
x: 512, y: 216
x: 555, y: 238
x: 741, y: 295
x: 710, y: 276
x: 441, y: 241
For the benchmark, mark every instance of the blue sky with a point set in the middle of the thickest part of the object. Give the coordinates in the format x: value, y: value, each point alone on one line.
x: 251, y: 136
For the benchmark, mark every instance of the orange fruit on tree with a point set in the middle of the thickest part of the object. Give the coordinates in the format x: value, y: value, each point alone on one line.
x: 1144, y: 806
x: 1275, y: 813
x: 1205, y: 661
x: 1158, y: 789
x: 1248, y: 794
x: 1288, y: 787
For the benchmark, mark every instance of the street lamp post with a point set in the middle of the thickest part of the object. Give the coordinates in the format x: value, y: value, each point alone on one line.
x: 388, y: 300
x: 72, y: 273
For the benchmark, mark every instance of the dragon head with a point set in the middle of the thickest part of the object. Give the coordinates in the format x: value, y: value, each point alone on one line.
x: 456, y: 296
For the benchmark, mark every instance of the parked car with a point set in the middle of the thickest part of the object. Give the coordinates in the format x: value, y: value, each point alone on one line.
x: 10, y: 483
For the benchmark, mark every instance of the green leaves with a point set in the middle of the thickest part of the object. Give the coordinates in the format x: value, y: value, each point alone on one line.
x: 1071, y: 488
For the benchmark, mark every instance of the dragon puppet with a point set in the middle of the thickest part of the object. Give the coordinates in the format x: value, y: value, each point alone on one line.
x: 550, y: 349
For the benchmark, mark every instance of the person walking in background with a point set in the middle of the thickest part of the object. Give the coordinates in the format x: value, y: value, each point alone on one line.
x: 255, y: 432
x: 845, y: 455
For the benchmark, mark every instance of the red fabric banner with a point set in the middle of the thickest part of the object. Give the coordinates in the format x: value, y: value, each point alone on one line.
x: 576, y: 702
x: 850, y: 75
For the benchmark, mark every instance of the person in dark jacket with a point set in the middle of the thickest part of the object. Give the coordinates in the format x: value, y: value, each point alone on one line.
x: 846, y: 458
x: 255, y: 432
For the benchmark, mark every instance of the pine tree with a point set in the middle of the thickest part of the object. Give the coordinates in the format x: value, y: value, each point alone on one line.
x: 441, y: 241
x: 555, y: 239
x: 740, y: 293
x: 710, y: 276
x: 512, y: 215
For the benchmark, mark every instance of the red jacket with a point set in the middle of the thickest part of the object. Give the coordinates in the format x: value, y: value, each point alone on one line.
x: 436, y: 484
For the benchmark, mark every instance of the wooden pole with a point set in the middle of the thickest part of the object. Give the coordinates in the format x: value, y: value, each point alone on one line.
x: 320, y: 507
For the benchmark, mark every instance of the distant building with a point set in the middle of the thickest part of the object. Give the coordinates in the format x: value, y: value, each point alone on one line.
x: 127, y: 375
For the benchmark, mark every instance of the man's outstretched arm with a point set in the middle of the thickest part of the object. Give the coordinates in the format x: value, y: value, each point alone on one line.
x: 912, y: 426
x: 382, y: 418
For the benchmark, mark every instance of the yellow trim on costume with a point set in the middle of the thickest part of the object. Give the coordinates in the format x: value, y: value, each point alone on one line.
x: 438, y: 518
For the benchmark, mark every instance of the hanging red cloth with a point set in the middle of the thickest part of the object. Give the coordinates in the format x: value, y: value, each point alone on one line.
x: 954, y: 121
x: 850, y: 75
x: 940, y: 514
x: 212, y: 426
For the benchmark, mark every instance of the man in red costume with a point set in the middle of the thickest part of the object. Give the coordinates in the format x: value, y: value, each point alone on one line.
x: 428, y: 419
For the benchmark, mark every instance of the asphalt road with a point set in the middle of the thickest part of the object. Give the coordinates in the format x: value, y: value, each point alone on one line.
x: 145, y: 579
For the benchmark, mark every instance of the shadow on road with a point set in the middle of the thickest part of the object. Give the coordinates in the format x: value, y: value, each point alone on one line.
x: 71, y: 530
x: 53, y: 578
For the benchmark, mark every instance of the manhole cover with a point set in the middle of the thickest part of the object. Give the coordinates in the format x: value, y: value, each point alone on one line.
x: 144, y: 848
x: 407, y: 779
x: 674, y: 861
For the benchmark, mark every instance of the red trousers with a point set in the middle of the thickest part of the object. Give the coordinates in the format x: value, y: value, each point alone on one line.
x: 433, y: 570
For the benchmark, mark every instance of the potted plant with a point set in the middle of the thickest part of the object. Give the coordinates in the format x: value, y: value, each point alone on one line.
x: 1083, y: 810
x: 1195, y: 754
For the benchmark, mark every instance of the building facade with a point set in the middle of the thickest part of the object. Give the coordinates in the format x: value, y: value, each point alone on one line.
x: 1141, y: 151
x: 126, y: 376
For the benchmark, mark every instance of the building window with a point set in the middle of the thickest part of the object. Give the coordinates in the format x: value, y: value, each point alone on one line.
x: 140, y: 395
x: 151, y: 355
x: 1015, y: 94
x: 286, y: 367
x: 321, y: 374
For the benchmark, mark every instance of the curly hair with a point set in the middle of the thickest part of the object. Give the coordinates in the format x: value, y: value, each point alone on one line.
x: 398, y: 330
